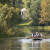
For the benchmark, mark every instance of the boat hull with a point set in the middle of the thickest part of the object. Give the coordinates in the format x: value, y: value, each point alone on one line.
x: 37, y: 38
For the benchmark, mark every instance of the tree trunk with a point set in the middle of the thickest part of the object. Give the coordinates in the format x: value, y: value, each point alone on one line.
x: 13, y: 3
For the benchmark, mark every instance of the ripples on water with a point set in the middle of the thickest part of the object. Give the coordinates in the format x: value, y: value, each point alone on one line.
x: 24, y: 44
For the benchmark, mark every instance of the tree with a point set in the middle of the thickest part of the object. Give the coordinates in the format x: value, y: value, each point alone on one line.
x: 44, y: 19
x: 48, y: 12
x: 35, y: 10
x: 9, y: 17
x: 5, y: 1
x: 19, y: 3
x: 13, y: 3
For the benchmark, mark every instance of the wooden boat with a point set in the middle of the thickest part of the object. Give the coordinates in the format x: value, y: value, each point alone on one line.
x: 37, y: 38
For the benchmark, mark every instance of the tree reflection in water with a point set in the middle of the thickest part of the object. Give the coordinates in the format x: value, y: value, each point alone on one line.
x: 46, y: 46
x: 19, y: 43
x: 36, y: 45
x: 24, y: 44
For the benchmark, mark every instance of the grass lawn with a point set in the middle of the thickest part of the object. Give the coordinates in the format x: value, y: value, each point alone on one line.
x: 26, y: 23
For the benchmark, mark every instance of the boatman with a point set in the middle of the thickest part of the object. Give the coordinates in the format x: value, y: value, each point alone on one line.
x: 38, y: 34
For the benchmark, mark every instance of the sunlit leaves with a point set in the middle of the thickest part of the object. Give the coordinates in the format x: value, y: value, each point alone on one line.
x: 35, y: 10
x: 45, y: 12
x: 9, y: 17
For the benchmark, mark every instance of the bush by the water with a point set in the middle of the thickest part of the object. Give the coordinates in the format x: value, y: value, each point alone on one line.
x: 9, y: 17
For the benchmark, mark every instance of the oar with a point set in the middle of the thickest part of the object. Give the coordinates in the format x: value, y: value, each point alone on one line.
x: 44, y: 37
x: 34, y: 37
x: 28, y: 37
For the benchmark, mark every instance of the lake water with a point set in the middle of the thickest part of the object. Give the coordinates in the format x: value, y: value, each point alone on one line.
x: 21, y: 43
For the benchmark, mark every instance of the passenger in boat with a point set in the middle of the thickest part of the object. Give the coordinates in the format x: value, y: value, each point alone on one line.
x: 32, y: 35
x: 38, y: 34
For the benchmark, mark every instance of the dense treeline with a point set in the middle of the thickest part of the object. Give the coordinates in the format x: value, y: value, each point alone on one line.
x: 9, y: 18
x: 38, y: 10
x: 45, y: 17
x: 35, y: 11
x: 10, y: 14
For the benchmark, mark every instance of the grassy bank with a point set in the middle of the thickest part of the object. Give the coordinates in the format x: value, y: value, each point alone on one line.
x: 21, y: 31
x: 27, y: 25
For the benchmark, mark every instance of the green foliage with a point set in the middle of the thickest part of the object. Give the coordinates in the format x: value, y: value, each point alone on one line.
x: 14, y: 3
x: 35, y: 10
x: 38, y: 12
x: 19, y: 3
x: 6, y: 2
x: 9, y: 17
x: 45, y: 17
x: 19, y: 32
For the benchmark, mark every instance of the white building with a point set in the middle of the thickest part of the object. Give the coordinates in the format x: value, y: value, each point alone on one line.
x: 24, y: 12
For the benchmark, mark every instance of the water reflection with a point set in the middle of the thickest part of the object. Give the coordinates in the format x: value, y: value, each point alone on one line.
x: 31, y: 45
x: 24, y: 44
x: 46, y: 46
x: 9, y: 44
x: 21, y: 43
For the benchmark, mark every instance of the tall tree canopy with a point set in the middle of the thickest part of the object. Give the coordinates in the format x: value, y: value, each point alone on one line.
x: 9, y: 17
x: 35, y: 10
x: 45, y: 17
x: 6, y: 1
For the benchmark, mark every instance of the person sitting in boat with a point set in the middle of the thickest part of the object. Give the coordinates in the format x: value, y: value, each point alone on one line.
x: 32, y: 35
x: 38, y: 34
